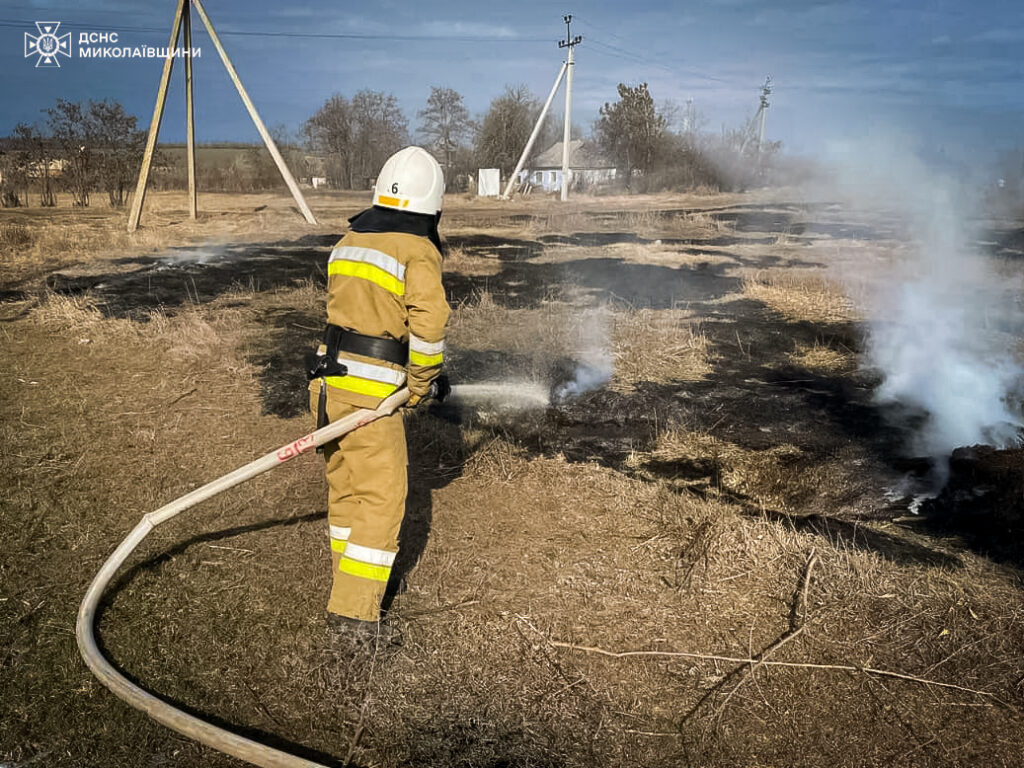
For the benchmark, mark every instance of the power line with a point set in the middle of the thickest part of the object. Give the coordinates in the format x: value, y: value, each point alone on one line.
x: 316, y: 35
x: 622, y: 53
x: 611, y: 49
x: 603, y: 48
x: 614, y: 52
x: 615, y: 36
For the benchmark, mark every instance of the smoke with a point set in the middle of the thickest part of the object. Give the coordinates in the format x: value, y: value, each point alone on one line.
x: 585, y: 378
x: 204, y: 254
x: 596, y: 366
x: 942, y: 323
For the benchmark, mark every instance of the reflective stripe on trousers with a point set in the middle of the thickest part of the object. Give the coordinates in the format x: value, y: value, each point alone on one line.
x: 339, y: 538
x: 367, y: 562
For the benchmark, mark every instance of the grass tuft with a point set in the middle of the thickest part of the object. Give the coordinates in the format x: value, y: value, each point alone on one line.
x: 800, y: 295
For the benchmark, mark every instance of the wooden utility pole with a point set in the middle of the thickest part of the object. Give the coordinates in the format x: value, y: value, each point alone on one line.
x: 154, y: 124
x: 271, y: 146
x: 190, y: 124
x: 570, y: 42
x: 182, y: 18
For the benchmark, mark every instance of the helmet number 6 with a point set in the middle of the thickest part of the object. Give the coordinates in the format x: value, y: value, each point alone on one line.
x: 394, y: 188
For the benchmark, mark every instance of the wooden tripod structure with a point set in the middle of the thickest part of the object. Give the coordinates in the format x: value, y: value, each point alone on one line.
x: 183, y: 27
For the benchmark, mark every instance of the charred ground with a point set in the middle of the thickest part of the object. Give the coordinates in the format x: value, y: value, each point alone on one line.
x: 677, y: 507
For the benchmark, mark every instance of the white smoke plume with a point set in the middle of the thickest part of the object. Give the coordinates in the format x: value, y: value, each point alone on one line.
x: 942, y: 324
x: 596, y: 364
x: 204, y: 254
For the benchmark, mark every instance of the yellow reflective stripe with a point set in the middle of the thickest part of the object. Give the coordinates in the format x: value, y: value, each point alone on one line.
x: 426, y: 347
x: 369, y: 272
x: 397, y: 202
x: 370, y: 555
x: 338, y: 545
x: 385, y: 261
x: 361, y: 386
x: 364, y: 570
x: 418, y: 358
x: 370, y: 371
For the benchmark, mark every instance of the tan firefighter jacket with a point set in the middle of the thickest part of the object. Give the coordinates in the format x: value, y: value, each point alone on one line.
x: 386, y: 284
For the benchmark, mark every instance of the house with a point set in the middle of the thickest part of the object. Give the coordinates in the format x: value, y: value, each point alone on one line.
x: 588, y: 167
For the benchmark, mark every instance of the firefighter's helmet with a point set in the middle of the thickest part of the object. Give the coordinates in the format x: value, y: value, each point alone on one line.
x: 411, y: 180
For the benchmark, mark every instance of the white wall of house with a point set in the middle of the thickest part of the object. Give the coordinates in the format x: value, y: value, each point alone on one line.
x: 550, y: 180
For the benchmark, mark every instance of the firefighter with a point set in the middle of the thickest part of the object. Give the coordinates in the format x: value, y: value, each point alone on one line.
x: 386, y: 315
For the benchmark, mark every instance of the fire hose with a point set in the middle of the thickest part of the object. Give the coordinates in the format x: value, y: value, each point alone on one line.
x: 161, y: 711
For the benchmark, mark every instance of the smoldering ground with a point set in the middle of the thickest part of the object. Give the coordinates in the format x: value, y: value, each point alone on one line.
x: 943, y: 324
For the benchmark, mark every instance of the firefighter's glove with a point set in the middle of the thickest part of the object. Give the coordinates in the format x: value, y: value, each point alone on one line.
x: 440, y: 388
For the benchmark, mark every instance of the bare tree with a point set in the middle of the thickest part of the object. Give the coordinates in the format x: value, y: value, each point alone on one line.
x: 34, y: 157
x: 289, y: 144
x: 446, y: 125
x: 15, y: 164
x: 329, y: 132
x: 71, y: 130
x: 379, y: 130
x: 117, y: 148
x: 10, y: 188
x: 506, y: 128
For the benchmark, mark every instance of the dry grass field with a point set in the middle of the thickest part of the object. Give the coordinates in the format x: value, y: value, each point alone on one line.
x: 706, y: 560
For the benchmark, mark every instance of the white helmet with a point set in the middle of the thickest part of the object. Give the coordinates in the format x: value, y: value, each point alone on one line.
x: 411, y: 180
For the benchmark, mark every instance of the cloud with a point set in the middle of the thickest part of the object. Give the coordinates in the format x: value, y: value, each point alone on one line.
x: 999, y: 35
x: 816, y: 14
x: 466, y: 29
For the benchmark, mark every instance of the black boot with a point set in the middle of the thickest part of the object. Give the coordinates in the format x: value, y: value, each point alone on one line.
x: 362, y: 635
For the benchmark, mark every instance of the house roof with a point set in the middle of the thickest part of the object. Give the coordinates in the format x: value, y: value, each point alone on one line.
x: 583, y: 155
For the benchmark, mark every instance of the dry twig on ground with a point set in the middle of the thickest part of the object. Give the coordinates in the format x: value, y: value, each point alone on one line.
x: 791, y: 664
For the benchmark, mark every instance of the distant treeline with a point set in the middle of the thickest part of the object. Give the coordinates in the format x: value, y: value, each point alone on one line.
x: 84, y: 148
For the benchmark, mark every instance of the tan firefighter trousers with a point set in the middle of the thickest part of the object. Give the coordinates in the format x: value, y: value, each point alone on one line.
x: 366, y: 473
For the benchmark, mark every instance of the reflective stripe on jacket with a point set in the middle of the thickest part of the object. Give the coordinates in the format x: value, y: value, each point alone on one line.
x: 387, y: 284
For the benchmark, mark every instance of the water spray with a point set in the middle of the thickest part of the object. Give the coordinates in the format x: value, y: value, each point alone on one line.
x: 503, y: 395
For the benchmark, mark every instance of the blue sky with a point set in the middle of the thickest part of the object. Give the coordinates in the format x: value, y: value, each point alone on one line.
x: 951, y: 73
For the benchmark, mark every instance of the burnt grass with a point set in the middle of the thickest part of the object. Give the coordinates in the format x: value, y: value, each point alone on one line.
x: 750, y: 399
x: 834, y: 487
